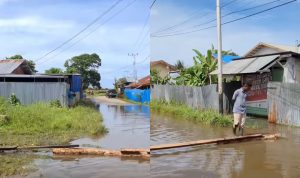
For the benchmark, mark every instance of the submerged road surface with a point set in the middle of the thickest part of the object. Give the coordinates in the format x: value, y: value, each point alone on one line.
x: 129, y: 127
x: 275, y: 159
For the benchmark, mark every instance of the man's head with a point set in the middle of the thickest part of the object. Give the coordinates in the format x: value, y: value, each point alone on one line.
x: 247, y: 86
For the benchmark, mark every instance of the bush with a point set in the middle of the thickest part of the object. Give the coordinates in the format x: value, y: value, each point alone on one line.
x: 13, y: 100
x: 55, y: 103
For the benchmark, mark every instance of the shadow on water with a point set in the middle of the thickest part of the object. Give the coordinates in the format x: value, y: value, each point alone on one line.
x: 128, y: 128
x: 274, y: 159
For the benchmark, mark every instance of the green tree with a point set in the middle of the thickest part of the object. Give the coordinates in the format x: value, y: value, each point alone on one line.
x: 54, y: 70
x: 17, y: 56
x: 30, y: 63
x: 179, y: 65
x: 156, y: 79
x: 228, y: 52
x: 198, y: 74
x: 87, y: 65
x: 120, y: 83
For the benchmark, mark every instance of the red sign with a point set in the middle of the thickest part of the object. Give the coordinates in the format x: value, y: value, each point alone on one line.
x: 259, y: 85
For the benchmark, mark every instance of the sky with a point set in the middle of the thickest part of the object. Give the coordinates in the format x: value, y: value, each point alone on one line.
x: 277, y: 26
x: 33, y: 28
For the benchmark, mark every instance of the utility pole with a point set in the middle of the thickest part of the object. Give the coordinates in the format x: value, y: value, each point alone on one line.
x: 220, y: 73
x: 134, y: 67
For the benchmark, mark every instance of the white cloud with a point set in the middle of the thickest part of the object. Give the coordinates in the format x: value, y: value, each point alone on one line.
x: 34, y: 22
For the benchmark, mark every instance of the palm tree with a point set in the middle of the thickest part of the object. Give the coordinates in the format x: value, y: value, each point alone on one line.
x: 179, y: 65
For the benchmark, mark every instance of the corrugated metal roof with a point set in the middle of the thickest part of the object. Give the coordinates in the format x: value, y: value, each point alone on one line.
x: 250, y: 65
x: 8, y: 66
x: 31, y: 76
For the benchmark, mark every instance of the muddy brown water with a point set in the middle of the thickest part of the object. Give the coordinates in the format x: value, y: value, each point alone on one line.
x: 129, y: 127
x: 269, y: 159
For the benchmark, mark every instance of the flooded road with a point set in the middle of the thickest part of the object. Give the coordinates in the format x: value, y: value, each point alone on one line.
x: 128, y: 128
x: 275, y: 159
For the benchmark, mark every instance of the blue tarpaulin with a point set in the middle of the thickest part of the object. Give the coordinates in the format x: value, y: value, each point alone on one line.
x: 137, y: 95
x: 76, y: 85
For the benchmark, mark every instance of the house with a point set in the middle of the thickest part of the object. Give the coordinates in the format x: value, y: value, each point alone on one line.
x: 162, y: 67
x: 262, y: 64
x: 139, y: 91
x: 143, y: 83
x: 14, y: 66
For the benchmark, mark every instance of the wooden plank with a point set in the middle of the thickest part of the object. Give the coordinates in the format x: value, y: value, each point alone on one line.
x: 216, y: 141
x: 145, y: 153
x: 135, y: 151
x: 8, y: 148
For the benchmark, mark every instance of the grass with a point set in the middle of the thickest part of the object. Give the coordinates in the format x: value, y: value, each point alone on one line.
x: 17, y: 164
x: 41, y: 124
x: 206, y: 116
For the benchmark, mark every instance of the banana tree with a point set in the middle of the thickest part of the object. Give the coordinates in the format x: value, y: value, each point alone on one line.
x: 198, y: 74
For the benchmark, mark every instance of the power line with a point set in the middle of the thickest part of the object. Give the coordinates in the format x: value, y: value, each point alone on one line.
x: 152, y: 4
x: 230, y: 2
x: 81, y: 31
x: 125, y: 67
x: 190, y: 18
x: 143, y: 39
x: 230, y: 13
x: 231, y: 21
x: 182, y: 22
x: 97, y: 27
x: 142, y: 30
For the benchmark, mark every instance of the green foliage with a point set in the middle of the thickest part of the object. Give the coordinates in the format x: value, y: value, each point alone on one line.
x: 179, y: 65
x: 31, y: 65
x: 54, y: 70
x: 55, y: 103
x: 156, y: 79
x: 40, y: 124
x: 198, y: 74
x: 17, y: 56
x: 120, y: 83
x: 228, y: 52
x: 87, y: 65
x: 206, y: 116
x: 13, y: 100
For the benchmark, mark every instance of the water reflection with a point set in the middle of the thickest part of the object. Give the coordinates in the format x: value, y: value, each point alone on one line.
x: 128, y: 128
x: 279, y: 158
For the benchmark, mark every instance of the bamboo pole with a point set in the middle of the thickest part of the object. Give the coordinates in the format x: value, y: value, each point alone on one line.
x: 36, y: 147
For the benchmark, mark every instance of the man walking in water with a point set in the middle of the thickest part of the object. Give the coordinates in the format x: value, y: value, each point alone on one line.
x: 239, y: 108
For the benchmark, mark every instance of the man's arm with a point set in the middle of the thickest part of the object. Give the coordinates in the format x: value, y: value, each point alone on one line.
x: 235, y: 94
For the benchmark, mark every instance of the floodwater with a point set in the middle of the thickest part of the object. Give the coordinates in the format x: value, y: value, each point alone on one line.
x: 129, y: 127
x: 274, y: 159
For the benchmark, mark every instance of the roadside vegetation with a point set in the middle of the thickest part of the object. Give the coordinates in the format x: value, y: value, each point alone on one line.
x: 205, y: 116
x: 195, y: 75
x: 96, y: 92
x: 47, y: 123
